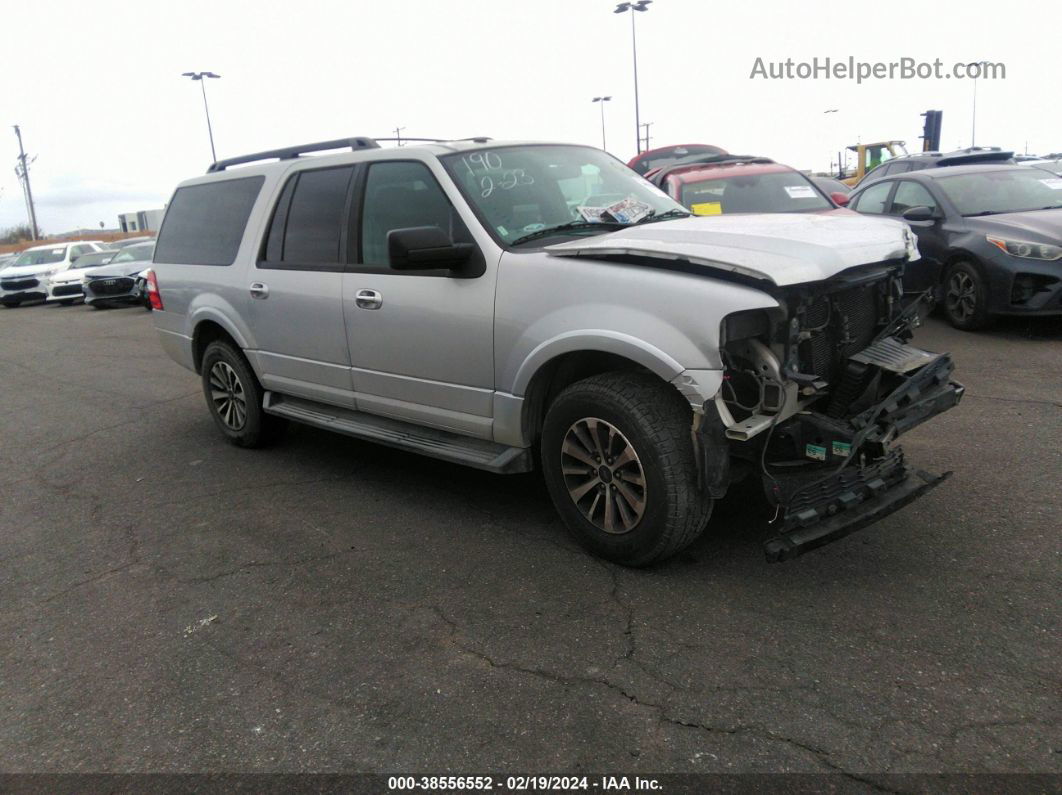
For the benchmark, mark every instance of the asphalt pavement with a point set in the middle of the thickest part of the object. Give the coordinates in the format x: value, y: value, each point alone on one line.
x: 169, y: 602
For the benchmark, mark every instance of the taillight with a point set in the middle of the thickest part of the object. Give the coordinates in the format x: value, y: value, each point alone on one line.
x: 153, y: 290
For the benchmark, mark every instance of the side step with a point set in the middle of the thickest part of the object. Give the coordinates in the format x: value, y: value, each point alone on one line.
x: 446, y: 446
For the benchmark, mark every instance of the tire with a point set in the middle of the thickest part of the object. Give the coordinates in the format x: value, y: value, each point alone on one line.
x: 965, y: 301
x: 11, y: 304
x: 639, y: 412
x: 234, y: 397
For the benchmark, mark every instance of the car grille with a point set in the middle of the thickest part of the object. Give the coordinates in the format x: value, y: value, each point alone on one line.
x: 849, y: 326
x: 111, y: 286
x: 66, y: 289
x: 18, y: 284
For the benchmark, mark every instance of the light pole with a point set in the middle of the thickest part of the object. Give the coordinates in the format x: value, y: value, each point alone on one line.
x: 202, y: 84
x: 621, y: 8
x: 973, y: 121
x: 601, y: 102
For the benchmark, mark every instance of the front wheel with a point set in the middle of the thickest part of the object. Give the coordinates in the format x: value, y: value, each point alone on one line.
x: 618, y: 460
x: 965, y: 297
x: 234, y: 397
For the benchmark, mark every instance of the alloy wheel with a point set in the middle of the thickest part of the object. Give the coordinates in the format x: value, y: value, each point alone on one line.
x: 603, y: 475
x: 226, y: 390
x: 961, y: 296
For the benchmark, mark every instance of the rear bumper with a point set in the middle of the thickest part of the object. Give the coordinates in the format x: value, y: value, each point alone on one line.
x: 871, y: 502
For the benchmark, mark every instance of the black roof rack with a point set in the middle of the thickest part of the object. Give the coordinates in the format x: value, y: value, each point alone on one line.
x: 360, y: 142
x: 289, y: 152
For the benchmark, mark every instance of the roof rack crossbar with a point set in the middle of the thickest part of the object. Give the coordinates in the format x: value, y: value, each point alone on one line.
x: 290, y: 152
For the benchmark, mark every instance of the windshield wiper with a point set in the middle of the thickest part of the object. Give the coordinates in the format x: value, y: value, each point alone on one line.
x: 983, y: 212
x: 664, y: 216
x: 571, y: 226
x: 1052, y: 207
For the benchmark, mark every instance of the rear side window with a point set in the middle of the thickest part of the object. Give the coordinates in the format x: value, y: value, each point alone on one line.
x: 310, y: 219
x: 204, y: 223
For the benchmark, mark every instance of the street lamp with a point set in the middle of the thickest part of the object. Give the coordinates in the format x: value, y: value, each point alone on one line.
x: 202, y: 84
x: 601, y: 102
x: 973, y: 123
x: 621, y: 8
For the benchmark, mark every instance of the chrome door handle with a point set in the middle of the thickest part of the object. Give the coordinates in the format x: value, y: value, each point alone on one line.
x: 259, y: 290
x: 368, y: 299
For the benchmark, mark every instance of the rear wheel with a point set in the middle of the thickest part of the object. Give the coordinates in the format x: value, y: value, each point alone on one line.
x: 965, y: 297
x: 234, y: 397
x: 618, y: 460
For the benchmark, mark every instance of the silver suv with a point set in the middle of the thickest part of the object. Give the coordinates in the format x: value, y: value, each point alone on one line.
x: 511, y: 306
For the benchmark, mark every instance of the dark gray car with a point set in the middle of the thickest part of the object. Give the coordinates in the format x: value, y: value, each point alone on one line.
x: 990, y: 237
x: 116, y: 283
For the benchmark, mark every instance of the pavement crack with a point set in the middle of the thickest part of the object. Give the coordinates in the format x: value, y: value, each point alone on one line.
x: 96, y: 578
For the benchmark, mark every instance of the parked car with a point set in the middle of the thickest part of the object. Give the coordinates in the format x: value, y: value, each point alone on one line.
x: 990, y: 237
x: 1054, y: 166
x: 831, y: 186
x: 971, y: 155
x: 469, y: 301
x: 131, y: 241
x: 116, y: 283
x: 65, y: 287
x: 724, y: 184
x: 644, y: 162
x: 7, y: 259
x: 25, y: 279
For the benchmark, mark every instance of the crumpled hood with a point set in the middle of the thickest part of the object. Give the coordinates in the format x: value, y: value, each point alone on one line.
x: 784, y: 248
x: 130, y: 268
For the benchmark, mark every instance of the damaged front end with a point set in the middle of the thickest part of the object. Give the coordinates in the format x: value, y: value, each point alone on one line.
x: 814, y: 395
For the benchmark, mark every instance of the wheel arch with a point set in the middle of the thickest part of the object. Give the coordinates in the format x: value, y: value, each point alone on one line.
x: 552, y: 374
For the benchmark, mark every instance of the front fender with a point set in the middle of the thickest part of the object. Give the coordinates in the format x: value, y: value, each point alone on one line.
x: 601, y: 340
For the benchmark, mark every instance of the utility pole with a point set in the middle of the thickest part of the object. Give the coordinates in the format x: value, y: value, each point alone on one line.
x: 646, y: 125
x: 26, y: 186
x: 398, y: 135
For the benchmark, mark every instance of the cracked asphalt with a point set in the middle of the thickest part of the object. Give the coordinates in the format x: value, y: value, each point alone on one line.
x: 171, y: 603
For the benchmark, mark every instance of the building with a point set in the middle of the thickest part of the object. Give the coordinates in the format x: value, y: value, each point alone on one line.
x: 141, y: 221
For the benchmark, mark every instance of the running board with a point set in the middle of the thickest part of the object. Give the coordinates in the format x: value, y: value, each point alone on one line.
x: 431, y: 442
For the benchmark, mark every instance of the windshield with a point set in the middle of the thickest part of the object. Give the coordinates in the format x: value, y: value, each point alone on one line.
x: 1008, y: 190
x: 88, y: 260
x: 40, y: 256
x: 780, y: 192
x: 134, y: 253
x: 522, y: 190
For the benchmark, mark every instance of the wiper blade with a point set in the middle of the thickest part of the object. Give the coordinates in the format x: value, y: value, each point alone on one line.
x: 983, y: 212
x: 664, y: 216
x: 571, y: 226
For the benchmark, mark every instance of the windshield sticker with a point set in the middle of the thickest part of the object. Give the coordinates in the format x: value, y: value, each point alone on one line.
x: 1053, y: 183
x: 707, y: 208
x: 592, y: 214
x: 629, y: 211
x: 800, y: 191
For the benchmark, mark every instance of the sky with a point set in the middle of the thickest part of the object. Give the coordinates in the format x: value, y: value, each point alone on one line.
x: 97, y: 89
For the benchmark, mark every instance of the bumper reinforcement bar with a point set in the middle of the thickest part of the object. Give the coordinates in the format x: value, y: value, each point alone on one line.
x: 803, y: 539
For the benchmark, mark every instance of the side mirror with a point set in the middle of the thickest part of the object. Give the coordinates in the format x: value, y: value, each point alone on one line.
x: 919, y: 213
x: 840, y: 199
x: 425, y: 248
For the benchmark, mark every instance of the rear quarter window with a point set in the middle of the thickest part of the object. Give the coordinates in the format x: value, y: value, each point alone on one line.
x: 204, y: 223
